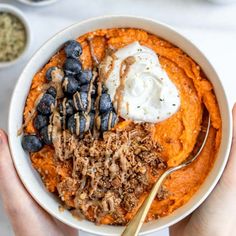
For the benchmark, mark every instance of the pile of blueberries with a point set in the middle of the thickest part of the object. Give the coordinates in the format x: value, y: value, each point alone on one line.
x: 76, y: 104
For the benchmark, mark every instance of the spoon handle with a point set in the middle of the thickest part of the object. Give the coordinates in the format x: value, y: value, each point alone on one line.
x: 135, y: 224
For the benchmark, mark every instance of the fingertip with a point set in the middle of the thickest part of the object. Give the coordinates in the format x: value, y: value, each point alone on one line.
x: 231, y: 167
x: 234, y: 122
x: 234, y: 110
x: 3, y: 137
x: 5, y: 157
x: 7, y: 170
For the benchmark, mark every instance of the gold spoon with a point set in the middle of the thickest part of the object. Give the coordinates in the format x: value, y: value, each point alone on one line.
x: 135, y: 224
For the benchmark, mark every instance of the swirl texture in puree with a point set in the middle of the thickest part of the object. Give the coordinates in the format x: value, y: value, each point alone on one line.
x: 177, y: 135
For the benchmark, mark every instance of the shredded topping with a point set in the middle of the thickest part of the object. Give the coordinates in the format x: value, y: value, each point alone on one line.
x: 111, y: 173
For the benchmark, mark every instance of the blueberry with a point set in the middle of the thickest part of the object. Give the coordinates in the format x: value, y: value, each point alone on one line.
x: 49, y: 73
x: 66, y: 107
x: 80, y: 123
x: 72, y: 66
x: 46, y: 135
x: 71, y: 124
x: 84, y: 77
x: 31, y: 143
x: 70, y: 85
x: 73, y: 49
x: 105, y: 103
x: 52, y: 91
x: 80, y: 101
x: 40, y: 121
x: 85, y: 88
x: 106, y: 121
x: 46, y: 103
x: 54, y: 73
x: 76, y: 124
x: 88, y: 121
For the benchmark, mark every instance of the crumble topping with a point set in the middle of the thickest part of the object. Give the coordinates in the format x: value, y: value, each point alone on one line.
x: 111, y: 173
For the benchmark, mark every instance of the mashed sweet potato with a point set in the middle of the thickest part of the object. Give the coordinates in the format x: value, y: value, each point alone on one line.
x: 177, y: 135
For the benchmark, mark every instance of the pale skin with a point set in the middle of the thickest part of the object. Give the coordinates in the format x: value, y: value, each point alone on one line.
x: 215, y: 217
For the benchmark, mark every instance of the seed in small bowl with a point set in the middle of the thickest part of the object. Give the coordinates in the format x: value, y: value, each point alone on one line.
x: 13, y: 37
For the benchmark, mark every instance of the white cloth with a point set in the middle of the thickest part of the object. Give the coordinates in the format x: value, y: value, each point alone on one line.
x: 211, y: 27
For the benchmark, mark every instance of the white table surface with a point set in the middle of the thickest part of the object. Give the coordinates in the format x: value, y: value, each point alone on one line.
x: 211, y: 27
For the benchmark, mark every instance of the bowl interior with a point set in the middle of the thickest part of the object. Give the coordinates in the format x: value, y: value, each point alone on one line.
x: 22, y: 163
x: 16, y: 12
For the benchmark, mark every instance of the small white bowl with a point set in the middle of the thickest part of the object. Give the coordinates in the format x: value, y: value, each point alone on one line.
x: 30, y: 177
x: 38, y: 4
x: 16, y: 12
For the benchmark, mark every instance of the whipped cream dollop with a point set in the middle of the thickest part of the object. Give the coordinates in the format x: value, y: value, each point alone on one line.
x: 139, y: 87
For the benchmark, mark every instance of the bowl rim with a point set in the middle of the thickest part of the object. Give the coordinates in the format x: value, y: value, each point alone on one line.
x: 21, y: 16
x: 215, y: 179
x: 38, y: 4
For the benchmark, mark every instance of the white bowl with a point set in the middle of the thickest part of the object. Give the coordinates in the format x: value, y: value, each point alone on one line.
x: 37, y: 4
x: 16, y: 12
x: 29, y: 176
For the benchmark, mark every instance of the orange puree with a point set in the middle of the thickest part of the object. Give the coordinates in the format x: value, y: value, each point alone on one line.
x: 177, y: 135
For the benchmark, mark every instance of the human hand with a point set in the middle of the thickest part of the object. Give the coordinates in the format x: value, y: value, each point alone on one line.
x: 217, y: 215
x: 26, y: 216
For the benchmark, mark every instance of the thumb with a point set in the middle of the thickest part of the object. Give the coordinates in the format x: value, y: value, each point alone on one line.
x: 213, y: 215
x: 12, y: 191
x: 10, y: 185
x: 229, y: 176
x: 19, y: 206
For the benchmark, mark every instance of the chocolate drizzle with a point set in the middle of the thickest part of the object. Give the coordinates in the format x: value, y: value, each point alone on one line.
x: 124, y: 70
x: 77, y: 124
x: 76, y: 99
x: 56, y: 132
x: 64, y: 112
x: 65, y: 84
x: 105, y: 72
x: 95, y: 74
x: 110, y: 120
x: 87, y: 122
x: 94, y: 58
x: 57, y: 77
x: 32, y: 113
x: 99, y: 93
